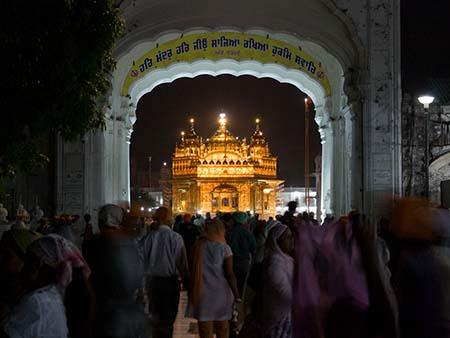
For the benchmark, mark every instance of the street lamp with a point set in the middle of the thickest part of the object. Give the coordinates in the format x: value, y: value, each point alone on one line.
x: 426, y: 100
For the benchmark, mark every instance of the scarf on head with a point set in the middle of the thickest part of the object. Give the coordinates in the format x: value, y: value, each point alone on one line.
x: 61, y: 255
x: 272, y: 247
x: 214, y: 232
x: 111, y: 215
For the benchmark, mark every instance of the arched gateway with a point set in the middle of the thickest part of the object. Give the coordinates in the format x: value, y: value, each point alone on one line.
x: 343, y: 54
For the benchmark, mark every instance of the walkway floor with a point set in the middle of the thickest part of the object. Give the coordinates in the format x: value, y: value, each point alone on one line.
x: 184, y: 327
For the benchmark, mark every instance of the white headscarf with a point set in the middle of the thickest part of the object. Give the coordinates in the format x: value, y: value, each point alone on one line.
x: 111, y: 215
x: 275, y: 232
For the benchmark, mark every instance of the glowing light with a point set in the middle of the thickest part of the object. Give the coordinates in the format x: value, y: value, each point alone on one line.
x: 164, y: 163
x: 257, y: 120
x: 426, y: 100
x: 191, y: 120
x: 182, y: 133
x: 142, y: 209
x: 222, y: 119
x: 306, y: 100
x: 149, y: 209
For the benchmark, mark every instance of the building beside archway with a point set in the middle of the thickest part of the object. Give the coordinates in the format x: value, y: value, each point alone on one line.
x: 415, y: 168
x: 224, y: 173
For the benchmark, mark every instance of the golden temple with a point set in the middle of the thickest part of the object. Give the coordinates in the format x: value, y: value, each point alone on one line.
x: 223, y: 173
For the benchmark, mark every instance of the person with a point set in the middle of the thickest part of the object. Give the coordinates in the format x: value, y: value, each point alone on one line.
x: 63, y: 227
x: 199, y: 222
x: 48, y: 270
x: 20, y: 223
x: 35, y: 216
x: 165, y: 262
x: 278, y: 272
x: 312, y: 219
x: 243, y: 245
x: 22, y: 212
x: 43, y: 228
x: 3, y: 214
x: 177, y: 226
x: 13, y: 247
x: 272, y: 309
x: 88, y: 233
x: 421, y: 268
x: 213, y: 282
x: 260, y: 237
x: 227, y: 220
x: 117, y: 273
x: 335, y: 276
x: 190, y: 233
x: 253, y: 222
x: 289, y: 217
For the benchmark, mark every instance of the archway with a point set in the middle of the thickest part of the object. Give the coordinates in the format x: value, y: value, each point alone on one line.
x: 258, y: 53
x: 359, y: 119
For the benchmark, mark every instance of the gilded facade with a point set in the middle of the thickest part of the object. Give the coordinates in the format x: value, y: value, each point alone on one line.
x: 223, y: 173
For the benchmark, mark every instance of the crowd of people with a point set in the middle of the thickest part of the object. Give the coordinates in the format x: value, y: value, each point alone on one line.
x: 283, y: 277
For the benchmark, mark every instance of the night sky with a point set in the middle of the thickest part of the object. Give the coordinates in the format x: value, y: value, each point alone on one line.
x: 425, y: 51
x: 164, y: 112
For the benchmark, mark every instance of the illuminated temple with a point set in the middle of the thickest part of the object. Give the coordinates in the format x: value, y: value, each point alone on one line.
x: 223, y: 173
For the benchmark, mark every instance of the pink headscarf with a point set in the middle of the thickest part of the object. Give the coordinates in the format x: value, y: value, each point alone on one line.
x: 60, y: 254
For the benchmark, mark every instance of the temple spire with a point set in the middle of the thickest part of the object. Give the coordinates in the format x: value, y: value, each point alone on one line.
x: 223, y: 122
x: 257, y: 121
x: 191, y: 121
x: 258, y: 131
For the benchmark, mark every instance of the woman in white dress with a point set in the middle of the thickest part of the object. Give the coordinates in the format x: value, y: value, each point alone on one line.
x: 214, y: 284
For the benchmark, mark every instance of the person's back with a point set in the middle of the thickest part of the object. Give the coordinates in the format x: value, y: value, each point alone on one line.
x: 241, y: 241
x: 46, y: 315
x: 243, y: 245
x: 115, y: 264
x: 189, y: 232
x: 161, y: 246
x: 116, y: 274
x: 165, y: 262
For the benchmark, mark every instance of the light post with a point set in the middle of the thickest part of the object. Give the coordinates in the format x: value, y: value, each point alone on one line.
x: 426, y: 100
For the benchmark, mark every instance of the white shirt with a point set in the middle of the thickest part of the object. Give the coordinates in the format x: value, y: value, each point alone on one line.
x: 39, y: 314
x: 164, y: 253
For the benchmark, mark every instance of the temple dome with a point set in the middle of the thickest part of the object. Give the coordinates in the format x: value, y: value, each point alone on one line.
x: 223, y: 135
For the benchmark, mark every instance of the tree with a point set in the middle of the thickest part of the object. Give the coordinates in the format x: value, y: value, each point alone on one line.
x: 57, y: 61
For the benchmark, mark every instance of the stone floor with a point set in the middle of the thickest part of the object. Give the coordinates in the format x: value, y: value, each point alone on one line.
x: 184, y: 327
